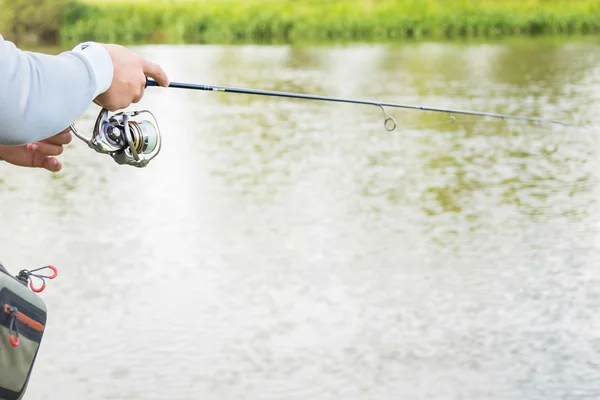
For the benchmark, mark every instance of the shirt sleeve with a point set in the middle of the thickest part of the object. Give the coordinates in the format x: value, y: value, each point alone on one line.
x: 42, y: 94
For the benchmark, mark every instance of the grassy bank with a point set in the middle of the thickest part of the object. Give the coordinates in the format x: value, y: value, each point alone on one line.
x: 229, y: 21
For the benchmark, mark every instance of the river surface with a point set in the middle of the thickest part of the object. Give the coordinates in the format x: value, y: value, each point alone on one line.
x: 292, y: 249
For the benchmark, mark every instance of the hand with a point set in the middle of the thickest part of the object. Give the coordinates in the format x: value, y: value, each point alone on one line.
x: 38, y: 154
x: 129, y: 79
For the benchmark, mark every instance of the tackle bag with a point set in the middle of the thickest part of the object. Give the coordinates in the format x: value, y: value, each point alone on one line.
x: 22, y: 322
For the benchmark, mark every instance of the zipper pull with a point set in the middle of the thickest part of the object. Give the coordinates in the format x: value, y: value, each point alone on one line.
x: 25, y: 276
x: 14, y: 313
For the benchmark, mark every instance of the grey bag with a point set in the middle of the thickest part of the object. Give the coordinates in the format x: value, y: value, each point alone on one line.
x: 22, y: 322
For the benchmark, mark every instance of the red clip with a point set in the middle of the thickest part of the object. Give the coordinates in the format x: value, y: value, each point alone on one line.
x: 37, y: 290
x: 53, y: 270
x: 14, y: 342
x: 54, y: 275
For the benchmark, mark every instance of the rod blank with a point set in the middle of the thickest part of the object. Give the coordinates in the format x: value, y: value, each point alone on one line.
x: 227, y: 89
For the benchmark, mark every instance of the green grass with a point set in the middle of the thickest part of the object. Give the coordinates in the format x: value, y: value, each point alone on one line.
x: 230, y: 21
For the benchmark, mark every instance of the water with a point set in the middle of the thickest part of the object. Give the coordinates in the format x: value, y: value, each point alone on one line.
x: 286, y: 249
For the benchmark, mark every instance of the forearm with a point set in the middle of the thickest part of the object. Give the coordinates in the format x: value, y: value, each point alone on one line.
x: 41, y: 95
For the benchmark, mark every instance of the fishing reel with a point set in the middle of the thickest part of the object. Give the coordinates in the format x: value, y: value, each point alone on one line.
x: 131, y: 138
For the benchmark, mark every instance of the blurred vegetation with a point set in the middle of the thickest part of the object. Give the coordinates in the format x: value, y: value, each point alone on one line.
x: 230, y: 21
x: 38, y: 21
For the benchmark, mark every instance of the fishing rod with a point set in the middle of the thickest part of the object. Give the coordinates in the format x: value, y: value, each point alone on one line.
x: 388, y: 118
x: 133, y: 138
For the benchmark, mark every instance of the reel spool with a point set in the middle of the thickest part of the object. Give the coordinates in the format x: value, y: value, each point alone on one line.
x: 130, y: 138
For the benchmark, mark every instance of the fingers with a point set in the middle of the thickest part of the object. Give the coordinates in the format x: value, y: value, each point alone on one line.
x: 62, y: 138
x: 51, y: 164
x: 52, y: 146
x: 39, y: 160
x: 96, y: 102
x: 45, y: 148
x: 153, y: 70
x: 101, y: 102
x: 141, y: 91
x: 110, y: 103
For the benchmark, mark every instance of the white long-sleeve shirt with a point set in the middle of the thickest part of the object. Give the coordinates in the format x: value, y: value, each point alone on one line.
x: 41, y: 94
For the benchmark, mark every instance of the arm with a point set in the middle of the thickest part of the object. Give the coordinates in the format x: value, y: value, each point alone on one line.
x: 41, y: 95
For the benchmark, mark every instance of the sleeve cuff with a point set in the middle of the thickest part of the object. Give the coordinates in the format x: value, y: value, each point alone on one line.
x: 101, y: 64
